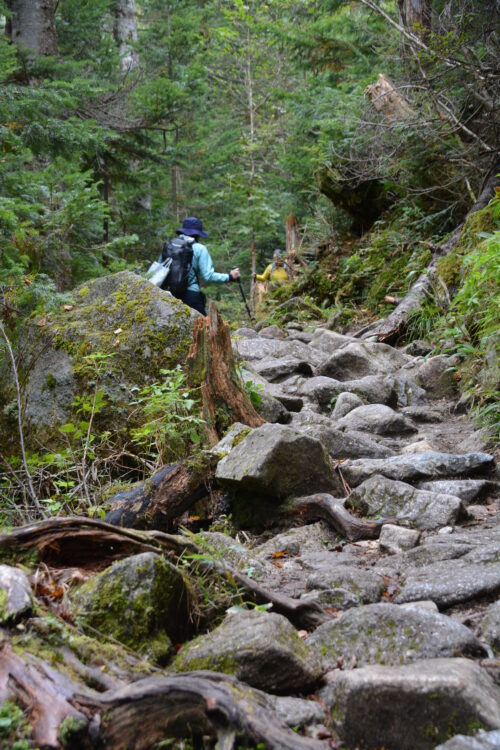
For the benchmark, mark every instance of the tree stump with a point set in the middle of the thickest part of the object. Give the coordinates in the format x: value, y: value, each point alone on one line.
x: 212, y: 368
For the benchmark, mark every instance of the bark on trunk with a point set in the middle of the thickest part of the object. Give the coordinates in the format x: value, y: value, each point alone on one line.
x: 415, y: 15
x: 32, y: 25
x: 293, y: 239
x: 386, y: 99
x: 212, y: 368
x: 125, y: 32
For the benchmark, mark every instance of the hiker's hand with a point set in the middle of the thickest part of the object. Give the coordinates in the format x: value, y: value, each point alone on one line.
x: 234, y: 274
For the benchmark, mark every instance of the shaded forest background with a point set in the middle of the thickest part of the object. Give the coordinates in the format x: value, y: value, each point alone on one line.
x: 118, y: 119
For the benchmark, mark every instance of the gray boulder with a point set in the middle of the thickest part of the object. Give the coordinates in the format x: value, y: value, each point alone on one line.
x: 438, y: 376
x: 257, y: 348
x: 490, y: 626
x: 141, y: 601
x: 364, y: 585
x: 382, y: 497
x: 389, y: 634
x: 418, y: 466
x: 278, y: 368
x: 482, y: 741
x: 310, y: 538
x: 272, y: 410
x: 329, y: 341
x: 373, y: 389
x: 466, y: 489
x: 452, y: 581
x: 359, y: 359
x: 345, y: 403
x: 411, y: 707
x: 395, y: 539
x: 377, y: 418
x: 15, y: 594
x: 259, y: 648
x: 145, y: 328
x: 278, y: 461
x: 272, y: 332
x: 338, y: 444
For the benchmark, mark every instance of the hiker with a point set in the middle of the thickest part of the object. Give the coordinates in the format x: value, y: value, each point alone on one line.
x: 277, y: 272
x: 195, y: 265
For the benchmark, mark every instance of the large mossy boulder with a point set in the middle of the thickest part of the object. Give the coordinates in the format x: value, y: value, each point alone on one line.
x: 144, y: 329
x: 272, y: 463
x: 141, y: 601
x: 259, y: 648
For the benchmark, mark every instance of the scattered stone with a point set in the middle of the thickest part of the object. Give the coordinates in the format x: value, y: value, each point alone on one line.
x: 421, y: 446
x: 259, y: 648
x: 15, y: 594
x: 345, y: 403
x: 411, y: 707
x: 329, y: 341
x: 312, y: 537
x: 224, y: 547
x: 278, y: 461
x: 140, y: 601
x: 272, y: 410
x: 419, y: 466
x: 245, y: 333
x: 235, y: 433
x: 257, y: 348
x: 358, y: 359
x: 422, y: 414
x: 272, y: 332
x: 339, y: 598
x: 438, y: 376
x: 377, y: 418
x: 384, y: 498
x: 277, y: 368
x: 482, y: 741
x: 395, y: 539
x: 490, y: 626
x: 388, y: 634
x: 373, y: 389
x: 407, y: 390
x: 424, y: 604
x: 477, y: 512
x: 306, y: 338
x: 466, y: 489
x: 297, y: 712
x: 452, y: 581
x: 365, y: 585
x: 339, y: 444
x: 417, y: 348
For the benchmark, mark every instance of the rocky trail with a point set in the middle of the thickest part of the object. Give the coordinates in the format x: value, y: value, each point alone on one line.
x: 366, y: 510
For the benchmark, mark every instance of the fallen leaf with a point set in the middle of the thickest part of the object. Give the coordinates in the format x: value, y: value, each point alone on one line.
x: 42, y: 322
x: 118, y: 330
x: 276, y: 564
x: 193, y: 518
x: 280, y: 553
x: 68, y: 307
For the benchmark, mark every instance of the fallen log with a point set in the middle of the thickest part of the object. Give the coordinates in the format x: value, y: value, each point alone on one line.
x: 165, y: 496
x: 326, y: 508
x: 212, y: 368
x: 193, y: 705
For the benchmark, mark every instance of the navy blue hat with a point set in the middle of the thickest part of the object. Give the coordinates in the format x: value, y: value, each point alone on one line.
x: 192, y: 227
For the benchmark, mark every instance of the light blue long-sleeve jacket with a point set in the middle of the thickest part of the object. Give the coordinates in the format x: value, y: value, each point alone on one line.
x: 202, y: 266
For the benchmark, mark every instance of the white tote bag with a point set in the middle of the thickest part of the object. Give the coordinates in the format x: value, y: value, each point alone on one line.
x: 158, y: 272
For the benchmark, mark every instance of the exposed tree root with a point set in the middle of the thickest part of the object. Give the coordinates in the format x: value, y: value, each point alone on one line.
x: 198, y: 703
x: 327, y: 508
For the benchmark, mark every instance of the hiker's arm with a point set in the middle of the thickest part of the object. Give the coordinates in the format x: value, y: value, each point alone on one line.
x: 264, y: 276
x: 206, y: 269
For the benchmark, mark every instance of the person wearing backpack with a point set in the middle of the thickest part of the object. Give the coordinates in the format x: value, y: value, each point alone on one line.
x: 190, y: 260
x: 277, y: 272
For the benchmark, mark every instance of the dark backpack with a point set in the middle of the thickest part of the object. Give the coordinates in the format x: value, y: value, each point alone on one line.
x: 181, y: 253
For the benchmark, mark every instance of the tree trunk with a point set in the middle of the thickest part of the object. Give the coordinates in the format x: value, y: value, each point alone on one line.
x: 386, y: 99
x: 125, y: 32
x: 159, y: 500
x: 415, y: 15
x: 292, y: 233
x: 32, y: 25
x: 212, y: 368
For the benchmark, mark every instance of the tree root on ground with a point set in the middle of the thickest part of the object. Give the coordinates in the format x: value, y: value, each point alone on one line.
x: 326, y: 508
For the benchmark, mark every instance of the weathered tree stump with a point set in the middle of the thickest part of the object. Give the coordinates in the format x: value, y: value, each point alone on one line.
x: 212, y: 368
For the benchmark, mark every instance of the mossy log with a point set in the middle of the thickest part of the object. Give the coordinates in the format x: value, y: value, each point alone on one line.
x: 326, y: 508
x: 212, y: 368
x: 155, y: 503
x: 196, y: 704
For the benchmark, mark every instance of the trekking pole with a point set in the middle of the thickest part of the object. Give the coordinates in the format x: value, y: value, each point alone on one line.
x: 244, y: 299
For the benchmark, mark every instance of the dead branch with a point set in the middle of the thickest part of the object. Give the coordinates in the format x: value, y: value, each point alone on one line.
x: 326, y: 508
